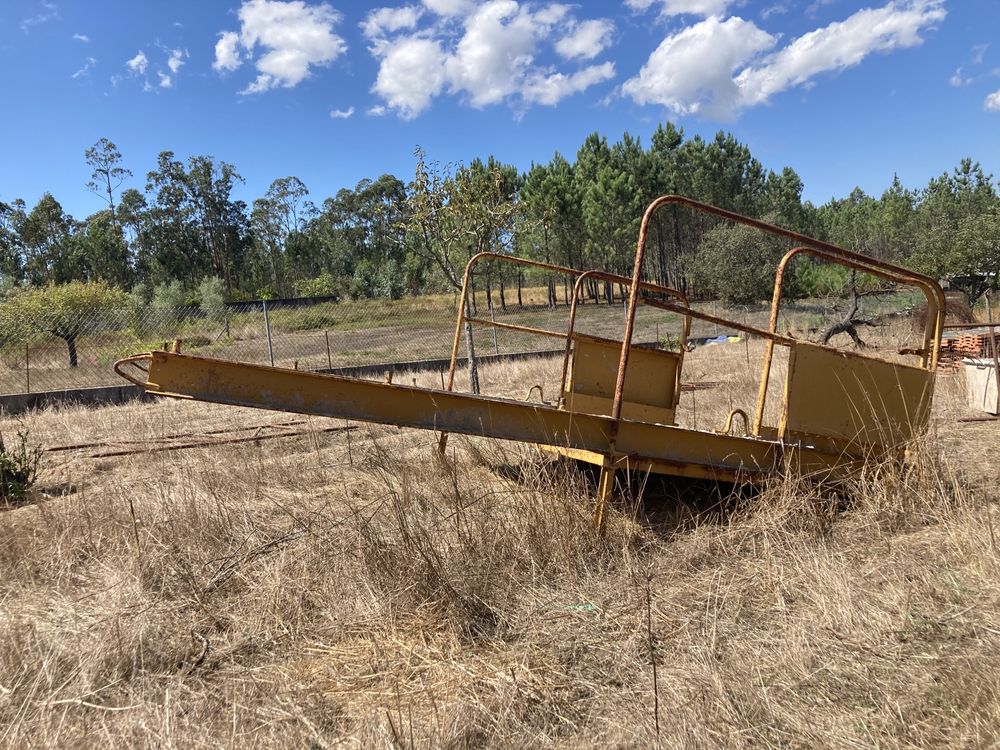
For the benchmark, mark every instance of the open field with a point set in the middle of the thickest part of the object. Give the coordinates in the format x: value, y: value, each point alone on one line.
x: 350, y: 589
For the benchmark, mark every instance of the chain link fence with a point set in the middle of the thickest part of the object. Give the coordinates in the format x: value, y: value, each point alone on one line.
x: 54, y: 353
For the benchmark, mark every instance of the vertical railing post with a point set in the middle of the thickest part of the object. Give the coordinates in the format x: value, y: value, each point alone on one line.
x: 27, y: 368
x: 267, y: 332
x: 329, y: 359
x: 496, y: 344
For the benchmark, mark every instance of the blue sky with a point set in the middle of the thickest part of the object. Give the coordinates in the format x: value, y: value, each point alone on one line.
x: 845, y: 92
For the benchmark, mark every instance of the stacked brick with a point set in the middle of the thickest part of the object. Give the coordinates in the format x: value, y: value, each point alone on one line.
x: 968, y: 344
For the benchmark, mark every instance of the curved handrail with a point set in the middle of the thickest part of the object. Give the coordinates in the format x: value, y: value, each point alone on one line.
x: 617, y: 279
x: 930, y: 286
x: 133, y: 361
x: 932, y: 327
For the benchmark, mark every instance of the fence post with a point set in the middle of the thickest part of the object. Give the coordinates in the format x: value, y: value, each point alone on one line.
x: 267, y: 332
x: 27, y: 368
x: 329, y: 359
x: 496, y: 345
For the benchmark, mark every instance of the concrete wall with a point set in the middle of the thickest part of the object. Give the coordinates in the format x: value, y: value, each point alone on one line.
x: 19, y: 403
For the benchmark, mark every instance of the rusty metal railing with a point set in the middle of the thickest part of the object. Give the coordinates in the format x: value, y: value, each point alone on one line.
x: 873, y: 267
x: 464, y: 315
x: 932, y: 291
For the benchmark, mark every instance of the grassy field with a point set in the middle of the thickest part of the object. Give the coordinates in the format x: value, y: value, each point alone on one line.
x: 348, y: 588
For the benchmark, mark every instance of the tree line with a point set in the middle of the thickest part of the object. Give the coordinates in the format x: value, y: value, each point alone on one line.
x: 184, y: 231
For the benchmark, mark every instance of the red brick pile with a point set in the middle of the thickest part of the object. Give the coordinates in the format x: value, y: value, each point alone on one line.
x: 954, y: 349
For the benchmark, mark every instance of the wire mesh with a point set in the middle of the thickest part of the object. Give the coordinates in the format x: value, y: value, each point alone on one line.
x: 52, y: 353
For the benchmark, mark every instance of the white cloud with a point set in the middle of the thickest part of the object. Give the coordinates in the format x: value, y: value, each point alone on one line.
x: 138, y: 64
x: 449, y: 8
x: 87, y: 66
x: 377, y: 111
x: 692, y: 71
x: 82, y: 38
x: 840, y: 45
x: 293, y: 36
x: 166, y: 82
x: 978, y: 53
x: 718, y: 67
x: 682, y: 7
x: 342, y: 114
x: 957, y: 80
x: 410, y: 75
x: 488, y: 56
x: 382, y: 21
x: 176, y: 60
x: 774, y: 10
x: 49, y: 12
x: 493, y: 57
x: 227, y: 52
x: 992, y: 103
x: 551, y: 89
x: 587, y: 40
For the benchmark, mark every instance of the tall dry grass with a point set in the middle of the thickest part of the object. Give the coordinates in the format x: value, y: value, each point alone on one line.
x: 353, y: 589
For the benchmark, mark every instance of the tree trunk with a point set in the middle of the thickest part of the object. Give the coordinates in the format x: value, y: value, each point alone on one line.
x: 471, y: 352
x: 71, y: 346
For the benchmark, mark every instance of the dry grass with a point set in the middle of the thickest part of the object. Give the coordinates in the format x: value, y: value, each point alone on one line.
x: 351, y: 589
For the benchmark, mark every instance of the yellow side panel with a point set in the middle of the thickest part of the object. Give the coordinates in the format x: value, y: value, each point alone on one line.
x: 581, y: 402
x: 650, y: 381
x: 856, y: 401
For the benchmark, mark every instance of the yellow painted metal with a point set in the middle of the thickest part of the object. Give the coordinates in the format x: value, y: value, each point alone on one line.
x: 617, y: 409
x: 863, y: 406
x: 649, y: 388
x: 638, y: 446
x: 239, y: 384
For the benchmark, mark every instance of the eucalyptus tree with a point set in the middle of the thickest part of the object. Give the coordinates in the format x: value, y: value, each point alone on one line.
x: 108, y: 175
x: 275, y: 217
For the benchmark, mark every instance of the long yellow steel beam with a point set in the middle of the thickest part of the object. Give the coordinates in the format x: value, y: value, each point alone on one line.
x: 238, y: 384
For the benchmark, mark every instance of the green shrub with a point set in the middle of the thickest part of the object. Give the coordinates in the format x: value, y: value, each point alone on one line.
x: 18, y: 468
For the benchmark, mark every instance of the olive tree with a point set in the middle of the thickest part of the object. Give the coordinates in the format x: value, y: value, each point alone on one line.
x: 67, y: 311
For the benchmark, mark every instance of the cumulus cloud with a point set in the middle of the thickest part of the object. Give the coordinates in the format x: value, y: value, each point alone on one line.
x: 992, y: 103
x: 840, y: 45
x: 342, y: 114
x: 166, y: 82
x: 410, y: 75
x: 138, y: 64
x: 82, y: 38
x: 382, y: 21
x: 227, y: 52
x: 449, y: 8
x: 293, y: 37
x: 485, y: 54
x: 553, y: 88
x: 683, y: 7
x: 719, y: 67
x: 587, y: 40
x: 692, y: 71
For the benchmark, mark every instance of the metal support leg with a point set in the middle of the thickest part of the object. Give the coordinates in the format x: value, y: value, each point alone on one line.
x: 605, y: 485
